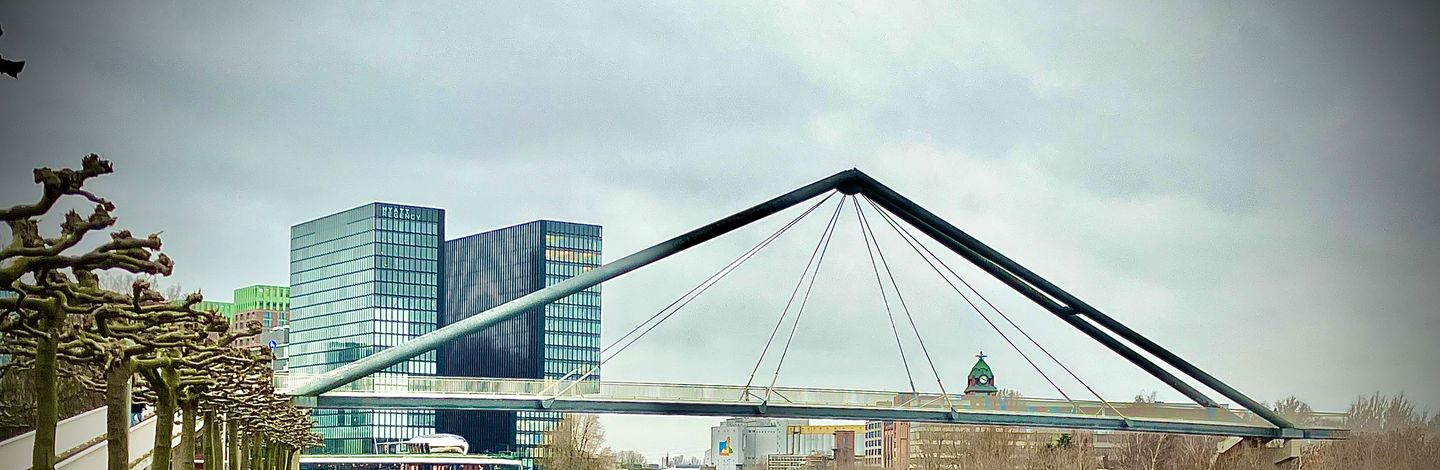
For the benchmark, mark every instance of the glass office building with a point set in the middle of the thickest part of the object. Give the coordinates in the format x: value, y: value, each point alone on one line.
x: 487, y: 269
x: 361, y: 281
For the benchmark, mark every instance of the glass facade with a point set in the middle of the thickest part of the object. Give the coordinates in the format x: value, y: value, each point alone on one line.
x: 361, y: 281
x: 487, y: 269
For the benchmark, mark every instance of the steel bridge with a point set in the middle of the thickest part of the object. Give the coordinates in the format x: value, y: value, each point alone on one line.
x: 353, y: 386
x: 439, y: 393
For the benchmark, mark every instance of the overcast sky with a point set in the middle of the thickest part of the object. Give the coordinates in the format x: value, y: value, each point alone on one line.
x: 1252, y: 184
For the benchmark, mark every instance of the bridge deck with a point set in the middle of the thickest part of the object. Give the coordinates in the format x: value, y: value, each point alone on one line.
x: 731, y: 400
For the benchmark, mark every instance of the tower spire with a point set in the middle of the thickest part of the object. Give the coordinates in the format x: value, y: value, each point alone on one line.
x: 981, y: 380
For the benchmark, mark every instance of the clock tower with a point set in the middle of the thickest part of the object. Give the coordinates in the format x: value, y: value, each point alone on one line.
x: 980, y: 381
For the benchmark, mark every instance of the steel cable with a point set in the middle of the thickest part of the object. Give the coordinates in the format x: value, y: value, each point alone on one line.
x: 918, y: 250
x: 824, y: 246
x: 1002, y: 314
x: 694, y: 292
x: 888, y: 313
x: 865, y: 226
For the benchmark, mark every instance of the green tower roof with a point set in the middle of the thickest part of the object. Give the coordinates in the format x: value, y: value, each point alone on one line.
x: 981, y: 369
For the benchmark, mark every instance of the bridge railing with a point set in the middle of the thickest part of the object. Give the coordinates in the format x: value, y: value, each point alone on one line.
x: 793, y: 396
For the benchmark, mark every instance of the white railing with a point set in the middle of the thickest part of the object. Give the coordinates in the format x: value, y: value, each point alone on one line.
x: 70, y: 433
x: 81, y: 439
x: 835, y: 398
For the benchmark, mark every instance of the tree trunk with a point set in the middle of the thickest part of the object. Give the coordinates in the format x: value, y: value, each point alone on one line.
x: 164, y: 426
x: 117, y: 415
x: 206, y: 444
x: 245, y: 452
x: 258, y: 444
x: 214, y: 450
x: 47, y: 408
x: 186, y: 459
x: 232, y: 442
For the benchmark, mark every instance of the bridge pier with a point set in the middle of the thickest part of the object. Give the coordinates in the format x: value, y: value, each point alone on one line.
x: 1281, y: 453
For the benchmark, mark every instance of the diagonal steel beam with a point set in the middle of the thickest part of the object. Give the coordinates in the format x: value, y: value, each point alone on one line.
x: 473, y: 324
x: 1046, y: 294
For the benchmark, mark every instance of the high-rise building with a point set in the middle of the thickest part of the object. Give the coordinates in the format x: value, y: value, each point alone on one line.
x: 361, y: 281
x: 266, y: 304
x: 490, y: 268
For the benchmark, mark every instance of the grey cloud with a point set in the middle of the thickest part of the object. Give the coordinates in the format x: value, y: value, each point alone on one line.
x: 1251, y: 184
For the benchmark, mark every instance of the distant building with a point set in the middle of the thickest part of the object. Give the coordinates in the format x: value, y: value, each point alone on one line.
x: 840, y: 454
x: 798, y: 462
x: 980, y: 381
x: 487, y: 269
x: 225, y: 309
x: 363, y: 280
x: 806, y: 440
x: 844, y: 448
x: 268, y: 305
x: 887, y: 445
x: 740, y: 443
x: 893, y: 445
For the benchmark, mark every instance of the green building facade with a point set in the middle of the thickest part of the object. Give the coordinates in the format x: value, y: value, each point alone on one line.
x: 224, y: 308
x: 262, y: 297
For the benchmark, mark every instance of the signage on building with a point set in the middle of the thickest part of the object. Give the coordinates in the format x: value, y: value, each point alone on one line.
x: 398, y: 213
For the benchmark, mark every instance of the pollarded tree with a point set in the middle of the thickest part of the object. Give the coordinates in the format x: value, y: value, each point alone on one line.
x: 39, y: 268
x: 270, y: 430
x: 178, y: 375
x: 117, y: 331
x: 144, y: 326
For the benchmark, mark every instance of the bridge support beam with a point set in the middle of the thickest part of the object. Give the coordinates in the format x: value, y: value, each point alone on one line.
x: 1051, y: 297
x: 1282, y: 453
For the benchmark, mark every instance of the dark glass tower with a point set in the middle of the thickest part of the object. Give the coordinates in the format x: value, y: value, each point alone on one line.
x: 361, y: 281
x: 487, y: 269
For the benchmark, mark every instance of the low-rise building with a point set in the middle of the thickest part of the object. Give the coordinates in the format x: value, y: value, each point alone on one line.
x: 806, y: 440
x: 740, y: 443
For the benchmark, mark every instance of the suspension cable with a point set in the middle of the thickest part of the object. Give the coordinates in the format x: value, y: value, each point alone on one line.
x: 1002, y: 314
x: 888, y: 313
x: 865, y: 226
x: 977, y: 310
x: 813, y: 253
x: 692, y: 294
x: 824, y: 247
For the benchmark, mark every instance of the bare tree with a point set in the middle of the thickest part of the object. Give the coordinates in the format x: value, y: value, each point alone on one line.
x: 576, y: 443
x: 1388, y: 432
x: 630, y: 459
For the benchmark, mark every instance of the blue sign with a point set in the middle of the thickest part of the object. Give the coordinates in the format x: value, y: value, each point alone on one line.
x: 272, y: 344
